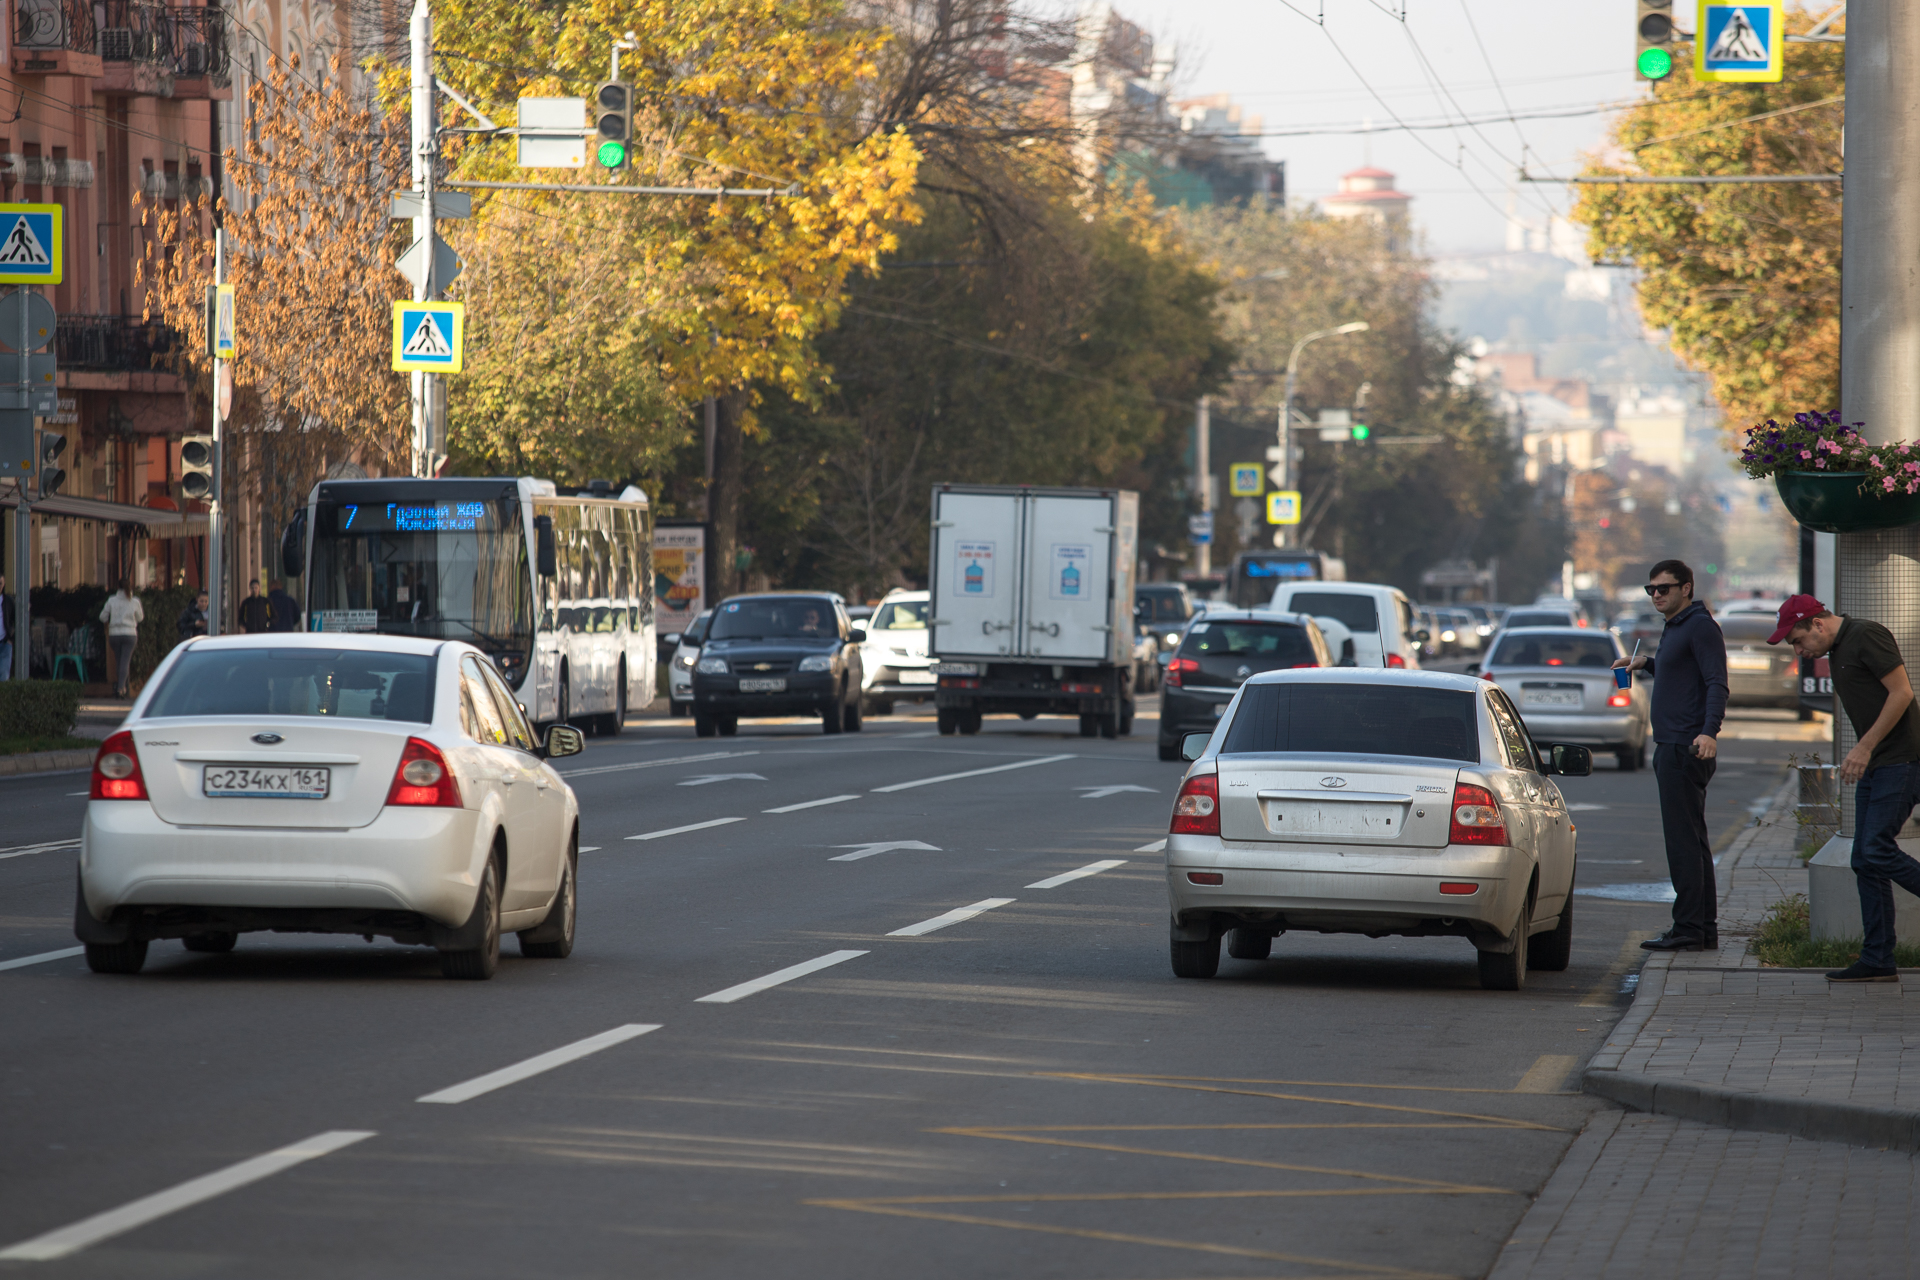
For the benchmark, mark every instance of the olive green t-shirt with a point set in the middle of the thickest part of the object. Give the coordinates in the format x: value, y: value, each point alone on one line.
x: 1863, y: 653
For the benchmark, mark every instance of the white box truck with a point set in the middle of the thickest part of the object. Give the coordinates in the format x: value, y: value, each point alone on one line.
x: 1032, y: 604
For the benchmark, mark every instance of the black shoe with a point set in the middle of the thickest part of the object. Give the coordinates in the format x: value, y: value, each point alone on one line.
x: 1857, y: 972
x: 1712, y: 942
x: 1671, y: 941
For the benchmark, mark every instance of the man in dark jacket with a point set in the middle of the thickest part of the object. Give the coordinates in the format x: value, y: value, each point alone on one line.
x: 1689, y: 702
x: 255, y: 613
x: 193, y: 618
x: 286, y: 610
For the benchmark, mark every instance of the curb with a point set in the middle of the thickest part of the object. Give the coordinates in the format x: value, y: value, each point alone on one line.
x: 1652, y: 986
x: 45, y: 762
x: 1852, y: 1123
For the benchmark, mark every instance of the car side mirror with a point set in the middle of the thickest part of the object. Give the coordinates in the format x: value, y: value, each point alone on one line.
x: 1571, y: 762
x: 671, y: 638
x: 1423, y: 635
x: 859, y: 632
x: 564, y: 740
x: 293, y: 546
x: 546, y: 557
x: 1473, y: 668
x: 1194, y: 745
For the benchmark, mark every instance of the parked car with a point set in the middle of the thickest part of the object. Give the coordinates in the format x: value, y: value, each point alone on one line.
x: 1379, y: 617
x: 778, y: 654
x: 329, y: 783
x: 1219, y: 653
x: 680, y: 667
x: 1562, y: 679
x: 1347, y: 802
x: 893, y: 658
x: 1759, y: 674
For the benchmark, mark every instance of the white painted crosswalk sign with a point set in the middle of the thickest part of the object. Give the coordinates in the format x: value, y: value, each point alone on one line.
x: 1740, y: 42
x: 30, y: 242
x: 428, y: 336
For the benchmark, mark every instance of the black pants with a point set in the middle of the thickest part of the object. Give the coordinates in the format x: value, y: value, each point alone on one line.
x: 1683, y: 779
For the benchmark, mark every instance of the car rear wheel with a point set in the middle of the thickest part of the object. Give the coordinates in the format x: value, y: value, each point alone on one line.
x: 212, y: 943
x: 1169, y: 750
x: 117, y: 957
x: 833, y: 719
x: 948, y: 722
x: 1196, y: 959
x: 476, y: 964
x: 678, y: 708
x: 552, y: 938
x: 1249, y: 944
x: 1089, y: 726
x: 1552, y: 951
x: 970, y: 722
x: 1507, y: 972
x: 852, y: 721
x: 728, y: 725
x: 1628, y: 759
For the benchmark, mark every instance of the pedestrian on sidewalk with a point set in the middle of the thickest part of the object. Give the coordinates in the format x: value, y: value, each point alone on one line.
x: 1870, y: 679
x: 1689, y: 702
x: 123, y: 616
x: 193, y: 619
x: 6, y: 631
x: 256, y: 614
x: 286, y: 610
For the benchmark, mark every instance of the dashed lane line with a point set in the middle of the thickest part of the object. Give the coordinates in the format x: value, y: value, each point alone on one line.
x: 1156, y: 847
x: 1091, y: 869
x: 654, y: 764
x: 809, y: 804
x: 954, y: 916
x: 778, y: 976
x: 102, y: 1226
x: 42, y: 958
x: 22, y: 850
x: 970, y: 773
x: 539, y: 1063
x: 692, y: 826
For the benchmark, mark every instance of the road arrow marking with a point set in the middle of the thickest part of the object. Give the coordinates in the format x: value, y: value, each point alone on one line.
x: 879, y: 846
x: 705, y: 778
x: 1101, y: 793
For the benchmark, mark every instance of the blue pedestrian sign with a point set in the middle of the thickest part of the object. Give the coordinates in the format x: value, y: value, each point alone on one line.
x: 30, y: 241
x: 428, y: 336
x: 1740, y: 42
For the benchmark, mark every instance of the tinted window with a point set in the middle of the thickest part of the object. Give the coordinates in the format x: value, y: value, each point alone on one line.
x: 1162, y: 606
x: 901, y: 615
x: 1261, y: 645
x: 1741, y: 627
x: 1356, y: 612
x: 1588, y: 650
x: 298, y: 682
x: 1539, y: 618
x: 773, y: 617
x: 697, y: 630
x: 1356, y: 719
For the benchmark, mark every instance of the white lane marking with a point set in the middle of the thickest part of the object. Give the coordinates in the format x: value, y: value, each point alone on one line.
x: 971, y: 773
x: 42, y: 958
x: 880, y: 846
x: 1091, y: 869
x: 589, y: 848
x: 1585, y: 807
x: 779, y: 976
x: 654, y: 764
x: 694, y: 826
x: 1156, y: 847
x: 22, y: 850
x: 954, y: 916
x: 72, y: 794
x: 707, y: 778
x: 1101, y: 793
x: 104, y: 1226
x: 539, y: 1062
x: 809, y: 804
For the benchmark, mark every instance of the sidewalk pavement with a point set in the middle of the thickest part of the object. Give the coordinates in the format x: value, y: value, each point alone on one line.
x: 1775, y: 1116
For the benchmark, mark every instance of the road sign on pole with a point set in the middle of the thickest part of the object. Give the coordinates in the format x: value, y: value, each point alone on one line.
x: 1244, y: 480
x: 1283, y: 506
x: 1200, y: 528
x: 1739, y: 41
x: 428, y: 337
x: 552, y: 134
x: 31, y: 237
x: 221, y: 339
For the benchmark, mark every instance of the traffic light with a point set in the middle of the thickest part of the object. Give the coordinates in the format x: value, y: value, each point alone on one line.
x: 613, y: 122
x: 52, y: 445
x: 1362, y: 433
x: 1653, y: 39
x: 196, y: 466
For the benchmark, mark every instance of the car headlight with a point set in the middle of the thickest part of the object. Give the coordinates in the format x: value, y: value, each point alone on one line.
x: 686, y: 661
x: 1173, y: 637
x: 712, y: 667
x: 818, y: 662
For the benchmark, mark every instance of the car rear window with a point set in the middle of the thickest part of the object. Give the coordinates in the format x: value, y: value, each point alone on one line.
x: 1265, y: 645
x: 358, y: 684
x: 1755, y: 627
x: 1353, y: 611
x: 1162, y: 606
x: 1356, y: 719
x: 1539, y: 618
x: 1555, y: 651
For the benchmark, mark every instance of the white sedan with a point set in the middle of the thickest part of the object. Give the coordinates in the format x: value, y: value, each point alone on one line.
x: 329, y: 783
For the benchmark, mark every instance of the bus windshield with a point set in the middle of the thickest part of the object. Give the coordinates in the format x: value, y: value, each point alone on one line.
x: 448, y: 568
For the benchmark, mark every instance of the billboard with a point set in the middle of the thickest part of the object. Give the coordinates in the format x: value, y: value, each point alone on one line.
x: 679, y: 575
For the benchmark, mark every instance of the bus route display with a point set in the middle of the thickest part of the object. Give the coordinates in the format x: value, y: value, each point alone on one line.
x: 409, y: 517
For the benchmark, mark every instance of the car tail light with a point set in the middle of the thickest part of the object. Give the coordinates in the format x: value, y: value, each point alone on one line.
x: 1196, y: 811
x: 1395, y: 660
x: 1458, y: 887
x: 1488, y: 675
x: 116, y: 771
x: 1178, y: 666
x: 1476, y: 817
x: 1206, y: 877
x: 423, y: 778
x: 1620, y: 698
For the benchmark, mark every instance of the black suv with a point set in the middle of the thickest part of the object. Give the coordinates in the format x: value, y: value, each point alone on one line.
x: 778, y: 653
x: 1220, y: 649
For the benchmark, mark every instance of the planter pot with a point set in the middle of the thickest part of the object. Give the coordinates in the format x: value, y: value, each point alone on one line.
x: 1831, y: 502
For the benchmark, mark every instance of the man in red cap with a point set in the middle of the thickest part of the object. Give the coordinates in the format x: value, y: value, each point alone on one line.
x: 1870, y: 679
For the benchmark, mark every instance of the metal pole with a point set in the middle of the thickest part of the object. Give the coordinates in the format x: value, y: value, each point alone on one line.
x: 23, y: 514
x: 1203, y: 475
x: 216, y: 549
x: 1283, y: 536
x: 425, y: 153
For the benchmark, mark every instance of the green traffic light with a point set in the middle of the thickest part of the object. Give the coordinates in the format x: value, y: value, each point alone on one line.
x: 1361, y: 431
x: 1656, y: 64
x: 611, y: 155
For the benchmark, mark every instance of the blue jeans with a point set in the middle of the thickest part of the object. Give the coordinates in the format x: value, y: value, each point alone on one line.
x: 6, y: 659
x: 1881, y: 803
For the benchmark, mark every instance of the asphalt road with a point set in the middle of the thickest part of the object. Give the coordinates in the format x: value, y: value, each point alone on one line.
x: 1027, y: 1091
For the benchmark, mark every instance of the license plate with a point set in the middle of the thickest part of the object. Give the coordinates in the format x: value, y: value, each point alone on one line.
x: 1569, y: 698
x: 1308, y: 818
x: 274, y: 782
x: 1745, y: 662
x: 916, y: 677
x: 775, y: 685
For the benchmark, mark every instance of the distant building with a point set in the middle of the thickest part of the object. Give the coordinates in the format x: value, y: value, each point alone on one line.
x: 1367, y: 193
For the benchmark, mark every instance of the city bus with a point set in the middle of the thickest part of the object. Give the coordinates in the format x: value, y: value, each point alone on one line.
x: 1256, y: 574
x: 558, y: 590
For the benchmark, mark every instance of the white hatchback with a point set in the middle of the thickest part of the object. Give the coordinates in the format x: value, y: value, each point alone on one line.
x: 312, y: 783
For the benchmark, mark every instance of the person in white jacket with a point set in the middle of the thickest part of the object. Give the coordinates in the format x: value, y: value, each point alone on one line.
x: 123, y: 616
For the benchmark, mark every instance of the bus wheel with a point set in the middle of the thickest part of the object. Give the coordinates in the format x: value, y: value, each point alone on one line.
x: 616, y: 720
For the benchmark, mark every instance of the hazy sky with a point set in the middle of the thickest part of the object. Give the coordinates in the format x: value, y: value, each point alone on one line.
x: 1547, y: 55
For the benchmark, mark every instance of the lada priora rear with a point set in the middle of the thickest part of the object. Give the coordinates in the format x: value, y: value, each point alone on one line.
x: 1348, y: 801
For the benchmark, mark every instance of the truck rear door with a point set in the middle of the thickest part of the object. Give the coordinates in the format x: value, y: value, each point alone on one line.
x: 975, y: 579
x: 1068, y: 547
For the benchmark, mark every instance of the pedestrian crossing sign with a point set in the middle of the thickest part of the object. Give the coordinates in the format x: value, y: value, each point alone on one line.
x: 1740, y: 42
x: 1283, y: 506
x: 30, y: 241
x: 226, y: 343
x: 1245, y: 480
x: 428, y: 336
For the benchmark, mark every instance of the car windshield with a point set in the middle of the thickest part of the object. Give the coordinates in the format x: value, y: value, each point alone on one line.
x: 1262, y: 645
x: 1555, y: 651
x: 1351, y: 610
x: 901, y: 615
x: 1355, y: 719
x: 1748, y: 627
x: 1539, y: 618
x: 360, y: 684
x: 1162, y: 606
x: 774, y: 617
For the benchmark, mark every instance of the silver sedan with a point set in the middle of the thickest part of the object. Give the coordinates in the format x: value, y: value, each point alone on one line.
x: 1562, y: 680
x: 1353, y: 801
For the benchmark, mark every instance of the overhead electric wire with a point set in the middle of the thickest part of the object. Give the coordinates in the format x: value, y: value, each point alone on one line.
x: 1466, y: 11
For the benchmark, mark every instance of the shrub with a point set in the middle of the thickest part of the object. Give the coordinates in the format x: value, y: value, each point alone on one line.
x: 38, y: 708
x: 159, y: 628
x: 1785, y: 940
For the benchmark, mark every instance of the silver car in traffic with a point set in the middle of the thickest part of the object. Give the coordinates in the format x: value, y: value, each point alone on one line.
x: 1345, y: 800
x: 1562, y: 680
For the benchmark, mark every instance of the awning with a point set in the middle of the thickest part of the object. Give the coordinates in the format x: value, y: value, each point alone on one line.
x: 60, y: 504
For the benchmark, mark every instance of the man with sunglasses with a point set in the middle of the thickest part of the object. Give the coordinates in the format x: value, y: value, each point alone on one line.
x: 1689, y: 701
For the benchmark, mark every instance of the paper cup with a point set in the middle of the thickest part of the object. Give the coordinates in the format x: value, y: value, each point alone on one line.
x: 1622, y: 677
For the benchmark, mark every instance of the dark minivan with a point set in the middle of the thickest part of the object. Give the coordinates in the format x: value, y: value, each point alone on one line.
x: 784, y: 653
x: 1218, y: 653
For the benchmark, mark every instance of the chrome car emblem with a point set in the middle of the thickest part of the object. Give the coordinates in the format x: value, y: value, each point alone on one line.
x: 763, y: 666
x: 1244, y: 672
x: 267, y: 739
x: 1333, y: 782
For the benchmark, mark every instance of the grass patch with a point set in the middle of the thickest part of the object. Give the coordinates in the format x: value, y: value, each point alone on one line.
x: 21, y: 746
x: 1785, y: 941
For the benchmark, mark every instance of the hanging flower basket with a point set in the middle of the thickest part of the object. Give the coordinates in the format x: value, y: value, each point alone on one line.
x: 1833, y: 502
x: 1830, y: 479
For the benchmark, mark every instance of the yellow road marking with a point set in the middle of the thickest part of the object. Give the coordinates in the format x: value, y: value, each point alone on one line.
x: 1607, y: 990
x: 1308, y: 1084
x: 1164, y: 1082
x: 1546, y: 1073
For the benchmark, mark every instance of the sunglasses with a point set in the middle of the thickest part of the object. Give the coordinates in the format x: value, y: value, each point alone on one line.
x: 1661, y: 588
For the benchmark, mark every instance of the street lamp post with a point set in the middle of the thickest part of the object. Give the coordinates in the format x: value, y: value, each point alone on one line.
x: 1285, y: 432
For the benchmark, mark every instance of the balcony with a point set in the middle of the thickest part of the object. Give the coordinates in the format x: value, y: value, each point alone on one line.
x: 113, y: 344
x: 55, y: 38
x: 166, y: 51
